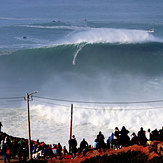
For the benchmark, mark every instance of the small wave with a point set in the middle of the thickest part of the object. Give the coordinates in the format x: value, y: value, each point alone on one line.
x: 6, y: 52
x: 57, y: 27
x: 12, y: 18
x: 31, y: 39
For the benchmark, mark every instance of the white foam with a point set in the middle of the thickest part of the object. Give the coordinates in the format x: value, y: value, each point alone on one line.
x: 55, y: 120
x: 105, y: 118
x: 92, y: 35
x: 51, y: 123
x: 110, y: 35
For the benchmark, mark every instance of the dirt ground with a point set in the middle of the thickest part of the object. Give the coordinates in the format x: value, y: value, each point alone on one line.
x: 145, y: 150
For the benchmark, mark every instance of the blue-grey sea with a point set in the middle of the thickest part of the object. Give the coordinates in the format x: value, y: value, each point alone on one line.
x: 77, y: 52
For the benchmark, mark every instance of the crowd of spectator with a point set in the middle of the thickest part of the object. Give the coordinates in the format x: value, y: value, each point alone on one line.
x: 12, y: 147
x: 120, y: 138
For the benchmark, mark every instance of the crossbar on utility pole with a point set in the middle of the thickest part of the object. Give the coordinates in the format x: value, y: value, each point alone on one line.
x: 29, y: 131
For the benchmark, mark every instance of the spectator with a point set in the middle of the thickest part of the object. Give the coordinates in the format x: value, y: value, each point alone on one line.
x: 115, y: 141
x: 59, y: 151
x: 134, y: 139
x: 161, y: 134
x: 95, y: 144
x: 83, y: 147
x: 64, y: 151
x: 109, y: 141
x: 141, y: 137
x: 100, y: 139
x: 124, y: 138
x: 55, y: 150
x: 4, y: 151
x: 20, y: 153
x: 155, y: 135
x: 0, y: 126
x: 148, y: 136
x: 50, y: 152
x: 25, y: 152
x: 73, y: 146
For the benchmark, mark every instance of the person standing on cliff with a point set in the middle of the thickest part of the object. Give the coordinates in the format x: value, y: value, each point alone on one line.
x: 73, y: 146
x: 0, y: 126
x: 141, y: 137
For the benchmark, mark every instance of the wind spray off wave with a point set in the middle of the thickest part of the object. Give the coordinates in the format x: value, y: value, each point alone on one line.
x: 86, y: 34
x: 110, y: 35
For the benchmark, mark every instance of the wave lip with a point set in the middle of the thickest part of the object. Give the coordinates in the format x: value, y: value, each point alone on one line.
x: 81, y: 34
x: 110, y: 35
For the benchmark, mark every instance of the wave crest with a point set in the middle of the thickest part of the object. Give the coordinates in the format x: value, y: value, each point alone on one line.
x: 86, y: 34
x: 109, y: 35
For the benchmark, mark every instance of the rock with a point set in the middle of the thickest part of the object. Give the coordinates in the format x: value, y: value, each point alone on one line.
x: 160, y: 148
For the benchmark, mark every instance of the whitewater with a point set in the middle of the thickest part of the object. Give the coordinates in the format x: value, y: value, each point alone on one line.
x: 108, y: 65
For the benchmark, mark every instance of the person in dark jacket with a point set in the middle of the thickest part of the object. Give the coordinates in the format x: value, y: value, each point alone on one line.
x: 83, y: 147
x: 73, y: 146
x: 134, y: 139
x: 101, y: 143
x: 4, y: 151
x: 155, y: 135
x: 20, y: 153
x: 124, y: 138
x: 59, y: 151
x: 141, y: 137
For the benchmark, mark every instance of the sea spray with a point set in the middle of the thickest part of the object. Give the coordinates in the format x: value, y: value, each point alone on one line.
x: 110, y: 35
x: 104, y: 119
x: 48, y: 122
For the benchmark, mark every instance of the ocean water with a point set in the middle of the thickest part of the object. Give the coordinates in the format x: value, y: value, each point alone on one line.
x: 97, y: 55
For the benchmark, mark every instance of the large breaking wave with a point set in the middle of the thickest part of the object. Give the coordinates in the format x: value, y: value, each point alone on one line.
x: 142, y: 58
x: 91, y: 64
x: 96, y: 68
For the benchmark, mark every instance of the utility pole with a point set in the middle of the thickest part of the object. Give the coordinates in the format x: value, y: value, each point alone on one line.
x: 29, y: 130
x: 29, y: 98
x: 71, y: 124
x: 71, y: 121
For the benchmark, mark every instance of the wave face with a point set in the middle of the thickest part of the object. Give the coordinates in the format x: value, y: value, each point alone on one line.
x: 88, y: 66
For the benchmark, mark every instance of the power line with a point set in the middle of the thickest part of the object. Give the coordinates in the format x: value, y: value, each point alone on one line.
x: 94, y: 102
x: 51, y: 103
x: 15, y: 99
x: 10, y: 98
x: 12, y: 101
x: 102, y: 109
x: 161, y: 107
